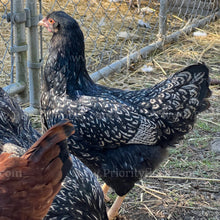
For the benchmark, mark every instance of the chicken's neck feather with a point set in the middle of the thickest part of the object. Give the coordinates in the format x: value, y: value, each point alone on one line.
x: 65, y: 70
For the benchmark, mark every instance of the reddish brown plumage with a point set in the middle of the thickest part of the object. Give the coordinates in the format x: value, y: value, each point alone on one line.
x: 29, y: 183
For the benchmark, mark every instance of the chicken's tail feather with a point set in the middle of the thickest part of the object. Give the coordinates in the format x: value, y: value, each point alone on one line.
x: 54, y: 135
x: 35, y: 178
x: 52, y: 145
x: 175, y: 102
x: 200, y: 77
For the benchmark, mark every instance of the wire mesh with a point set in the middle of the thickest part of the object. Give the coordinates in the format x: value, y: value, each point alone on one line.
x: 182, y: 12
x: 6, y: 40
x: 113, y: 29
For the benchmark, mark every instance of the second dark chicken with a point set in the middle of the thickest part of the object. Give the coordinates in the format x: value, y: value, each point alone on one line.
x: 80, y: 197
x: 120, y: 135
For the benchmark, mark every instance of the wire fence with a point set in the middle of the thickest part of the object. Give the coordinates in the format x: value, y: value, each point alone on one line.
x: 5, y: 41
x: 117, y: 32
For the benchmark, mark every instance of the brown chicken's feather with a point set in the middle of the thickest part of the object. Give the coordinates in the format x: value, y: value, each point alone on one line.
x: 29, y: 183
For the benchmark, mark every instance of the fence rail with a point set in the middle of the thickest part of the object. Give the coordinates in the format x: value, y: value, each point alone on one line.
x: 117, y: 32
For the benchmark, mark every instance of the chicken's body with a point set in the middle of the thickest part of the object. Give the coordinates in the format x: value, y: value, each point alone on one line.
x: 80, y: 193
x: 28, y: 184
x: 120, y: 135
x: 15, y: 126
x: 80, y: 197
x: 118, y: 132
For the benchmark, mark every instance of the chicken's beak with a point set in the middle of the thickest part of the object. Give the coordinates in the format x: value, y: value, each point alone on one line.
x: 43, y: 22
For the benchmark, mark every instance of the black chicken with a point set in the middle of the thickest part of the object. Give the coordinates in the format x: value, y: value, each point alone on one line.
x: 120, y: 135
x: 80, y: 196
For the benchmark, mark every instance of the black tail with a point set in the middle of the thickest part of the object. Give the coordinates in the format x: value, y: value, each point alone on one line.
x: 178, y: 100
x: 197, y: 74
x: 200, y: 73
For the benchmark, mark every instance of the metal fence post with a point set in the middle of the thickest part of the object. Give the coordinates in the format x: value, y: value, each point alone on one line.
x: 33, y: 57
x: 18, y: 17
x: 162, y: 19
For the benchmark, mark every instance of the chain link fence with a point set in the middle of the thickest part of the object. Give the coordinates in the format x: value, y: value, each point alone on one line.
x: 117, y: 32
x: 6, y: 34
x: 112, y: 29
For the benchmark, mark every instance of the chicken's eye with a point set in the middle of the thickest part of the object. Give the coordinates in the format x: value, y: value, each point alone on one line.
x: 51, y: 21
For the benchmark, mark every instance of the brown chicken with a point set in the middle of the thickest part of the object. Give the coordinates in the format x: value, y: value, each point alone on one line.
x: 28, y: 184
